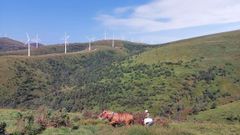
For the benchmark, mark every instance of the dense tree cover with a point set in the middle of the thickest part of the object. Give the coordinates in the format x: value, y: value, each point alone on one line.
x: 114, y: 79
x: 38, y: 80
x: 108, y: 80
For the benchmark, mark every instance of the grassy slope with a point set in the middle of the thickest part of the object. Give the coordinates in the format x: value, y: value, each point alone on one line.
x: 191, y: 74
x: 175, y: 129
x: 215, y: 50
x: 224, y: 46
x: 183, y: 128
x: 229, y: 113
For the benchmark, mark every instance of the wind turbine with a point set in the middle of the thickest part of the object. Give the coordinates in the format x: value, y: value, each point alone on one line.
x: 66, y: 37
x: 113, y: 42
x: 105, y: 35
x: 29, y: 46
x: 90, y: 40
x: 89, y: 45
x: 37, y: 41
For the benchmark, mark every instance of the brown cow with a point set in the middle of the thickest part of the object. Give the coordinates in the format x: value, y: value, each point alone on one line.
x: 117, y: 118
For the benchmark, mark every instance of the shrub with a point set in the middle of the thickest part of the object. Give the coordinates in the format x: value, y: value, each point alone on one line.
x: 42, y: 115
x: 26, y: 125
x: 196, y: 109
x: 59, y: 118
x: 213, y: 106
x: 34, y: 129
x: 162, y: 121
x: 33, y: 123
x: 208, y: 76
x: 92, y: 122
x: 76, y: 119
x: 89, y: 115
x: 138, y: 118
x: 233, y: 118
x: 3, y: 125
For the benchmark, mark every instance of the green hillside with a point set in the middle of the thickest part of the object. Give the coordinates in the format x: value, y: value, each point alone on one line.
x: 176, y: 79
x: 179, y: 78
x: 229, y: 113
x: 37, y: 80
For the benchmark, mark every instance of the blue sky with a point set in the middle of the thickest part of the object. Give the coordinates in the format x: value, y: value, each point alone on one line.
x: 156, y: 21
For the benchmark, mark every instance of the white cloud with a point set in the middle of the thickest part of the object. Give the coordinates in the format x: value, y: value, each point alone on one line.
x: 173, y: 14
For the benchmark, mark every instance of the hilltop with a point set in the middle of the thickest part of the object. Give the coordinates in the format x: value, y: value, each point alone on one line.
x: 7, y: 44
x: 178, y: 79
x: 10, y: 46
x: 79, y: 47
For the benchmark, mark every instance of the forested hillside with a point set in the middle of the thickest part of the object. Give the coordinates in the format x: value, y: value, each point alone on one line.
x: 52, y: 79
x: 176, y: 79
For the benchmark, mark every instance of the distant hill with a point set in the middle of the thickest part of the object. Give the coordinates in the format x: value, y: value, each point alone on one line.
x: 34, y: 45
x: 7, y: 44
x: 178, y: 79
x: 78, y: 47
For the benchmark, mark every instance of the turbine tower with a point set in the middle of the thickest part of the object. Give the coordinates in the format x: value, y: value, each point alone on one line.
x: 66, y: 37
x: 89, y: 45
x: 29, y: 46
x: 90, y: 40
x: 37, y: 41
x: 105, y: 35
x: 113, y: 42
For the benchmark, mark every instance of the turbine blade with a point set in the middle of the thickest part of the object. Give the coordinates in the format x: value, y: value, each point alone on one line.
x: 28, y: 37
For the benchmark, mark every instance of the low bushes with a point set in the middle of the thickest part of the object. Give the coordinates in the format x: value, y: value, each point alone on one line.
x: 138, y: 118
x: 90, y: 115
x: 2, y: 128
x: 162, y: 121
x: 26, y: 125
x: 34, y: 122
x: 92, y: 122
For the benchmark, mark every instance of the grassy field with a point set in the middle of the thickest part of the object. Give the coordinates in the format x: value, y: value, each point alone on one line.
x: 229, y: 113
x: 174, y: 128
